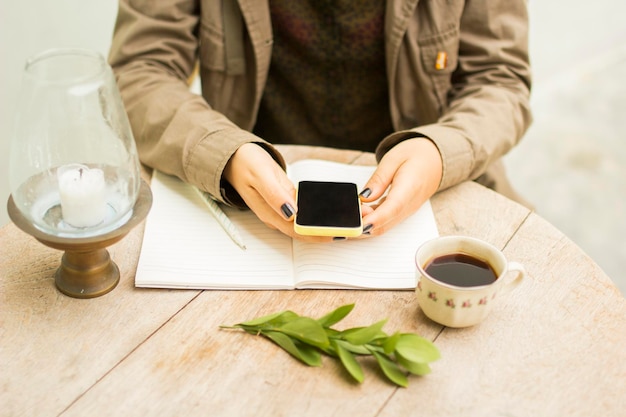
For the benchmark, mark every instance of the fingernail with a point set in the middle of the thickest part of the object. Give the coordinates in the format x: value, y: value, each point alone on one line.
x: 367, y: 229
x: 287, y: 210
x: 366, y: 193
x: 337, y: 238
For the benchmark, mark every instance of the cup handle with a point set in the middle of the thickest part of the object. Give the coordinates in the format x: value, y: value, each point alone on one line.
x: 520, y: 271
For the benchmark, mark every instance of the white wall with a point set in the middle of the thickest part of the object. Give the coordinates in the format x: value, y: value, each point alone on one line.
x: 566, y: 34
x: 28, y: 27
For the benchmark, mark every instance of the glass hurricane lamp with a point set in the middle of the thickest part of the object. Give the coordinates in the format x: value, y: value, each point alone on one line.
x: 74, y: 172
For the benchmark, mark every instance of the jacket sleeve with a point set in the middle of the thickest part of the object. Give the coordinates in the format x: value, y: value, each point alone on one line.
x: 154, y: 54
x: 487, y: 109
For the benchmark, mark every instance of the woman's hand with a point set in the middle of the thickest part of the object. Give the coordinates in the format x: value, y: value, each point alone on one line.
x: 265, y: 188
x: 412, y: 171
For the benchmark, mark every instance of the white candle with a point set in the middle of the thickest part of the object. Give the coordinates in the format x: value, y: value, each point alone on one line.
x: 82, y: 191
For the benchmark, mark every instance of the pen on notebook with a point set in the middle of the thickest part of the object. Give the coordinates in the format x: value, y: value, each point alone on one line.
x: 221, y: 218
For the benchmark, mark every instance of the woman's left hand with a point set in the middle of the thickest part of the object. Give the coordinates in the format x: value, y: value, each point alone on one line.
x: 412, y: 172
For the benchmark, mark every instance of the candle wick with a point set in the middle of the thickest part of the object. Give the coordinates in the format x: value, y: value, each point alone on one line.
x: 80, y: 170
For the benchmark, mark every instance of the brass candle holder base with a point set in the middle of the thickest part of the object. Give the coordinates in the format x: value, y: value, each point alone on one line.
x: 86, y: 270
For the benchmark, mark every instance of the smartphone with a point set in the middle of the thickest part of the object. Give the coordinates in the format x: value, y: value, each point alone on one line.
x: 328, y: 209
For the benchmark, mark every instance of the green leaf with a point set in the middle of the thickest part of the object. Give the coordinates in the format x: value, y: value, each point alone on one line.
x: 374, y: 347
x: 307, y: 330
x: 358, y: 349
x: 306, y: 339
x: 304, y: 353
x: 391, y: 370
x: 275, y: 319
x: 412, y: 367
x: 363, y: 335
x: 349, y: 362
x: 416, y: 349
x: 331, y: 332
x: 389, y: 344
x: 336, y: 315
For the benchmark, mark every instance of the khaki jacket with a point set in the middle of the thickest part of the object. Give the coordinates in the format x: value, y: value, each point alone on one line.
x: 458, y: 74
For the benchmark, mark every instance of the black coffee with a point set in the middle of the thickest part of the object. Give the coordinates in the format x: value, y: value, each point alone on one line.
x: 461, y: 270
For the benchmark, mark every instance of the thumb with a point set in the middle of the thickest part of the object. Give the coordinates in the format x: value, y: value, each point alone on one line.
x: 378, y: 182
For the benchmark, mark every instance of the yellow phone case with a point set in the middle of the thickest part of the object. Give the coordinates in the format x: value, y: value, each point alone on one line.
x: 328, y: 231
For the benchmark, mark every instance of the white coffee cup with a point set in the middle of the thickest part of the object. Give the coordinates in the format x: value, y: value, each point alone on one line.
x: 470, y: 303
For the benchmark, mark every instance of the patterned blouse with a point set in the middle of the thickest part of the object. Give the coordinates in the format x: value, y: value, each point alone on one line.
x: 327, y: 83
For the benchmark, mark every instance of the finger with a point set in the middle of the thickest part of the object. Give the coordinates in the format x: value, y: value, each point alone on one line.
x: 252, y: 171
x: 275, y: 220
x: 380, y: 179
x: 366, y: 209
x: 393, y: 211
x: 279, y: 193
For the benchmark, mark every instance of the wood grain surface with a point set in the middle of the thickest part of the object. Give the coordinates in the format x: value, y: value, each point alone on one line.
x: 554, y: 346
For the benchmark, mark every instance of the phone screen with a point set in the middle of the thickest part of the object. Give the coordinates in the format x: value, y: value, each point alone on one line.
x: 328, y: 209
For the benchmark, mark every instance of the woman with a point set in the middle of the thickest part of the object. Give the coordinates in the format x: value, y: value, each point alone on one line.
x: 439, y: 90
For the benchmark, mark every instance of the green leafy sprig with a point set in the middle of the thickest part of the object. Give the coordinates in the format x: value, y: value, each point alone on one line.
x: 306, y: 339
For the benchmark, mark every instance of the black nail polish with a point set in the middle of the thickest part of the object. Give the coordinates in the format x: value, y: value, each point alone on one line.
x: 366, y: 193
x: 338, y: 238
x: 367, y: 229
x: 287, y: 210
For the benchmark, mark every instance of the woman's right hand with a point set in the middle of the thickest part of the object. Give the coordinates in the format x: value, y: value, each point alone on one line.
x: 265, y: 188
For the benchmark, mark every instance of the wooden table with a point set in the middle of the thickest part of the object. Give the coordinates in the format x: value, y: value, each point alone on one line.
x: 555, y: 347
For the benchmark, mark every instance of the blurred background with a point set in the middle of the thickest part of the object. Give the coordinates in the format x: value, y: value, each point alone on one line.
x: 571, y: 165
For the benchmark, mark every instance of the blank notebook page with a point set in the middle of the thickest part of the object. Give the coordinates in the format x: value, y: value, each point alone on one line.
x: 184, y: 247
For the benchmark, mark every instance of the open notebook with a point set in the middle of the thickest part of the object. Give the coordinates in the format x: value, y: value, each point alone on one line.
x: 185, y: 247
